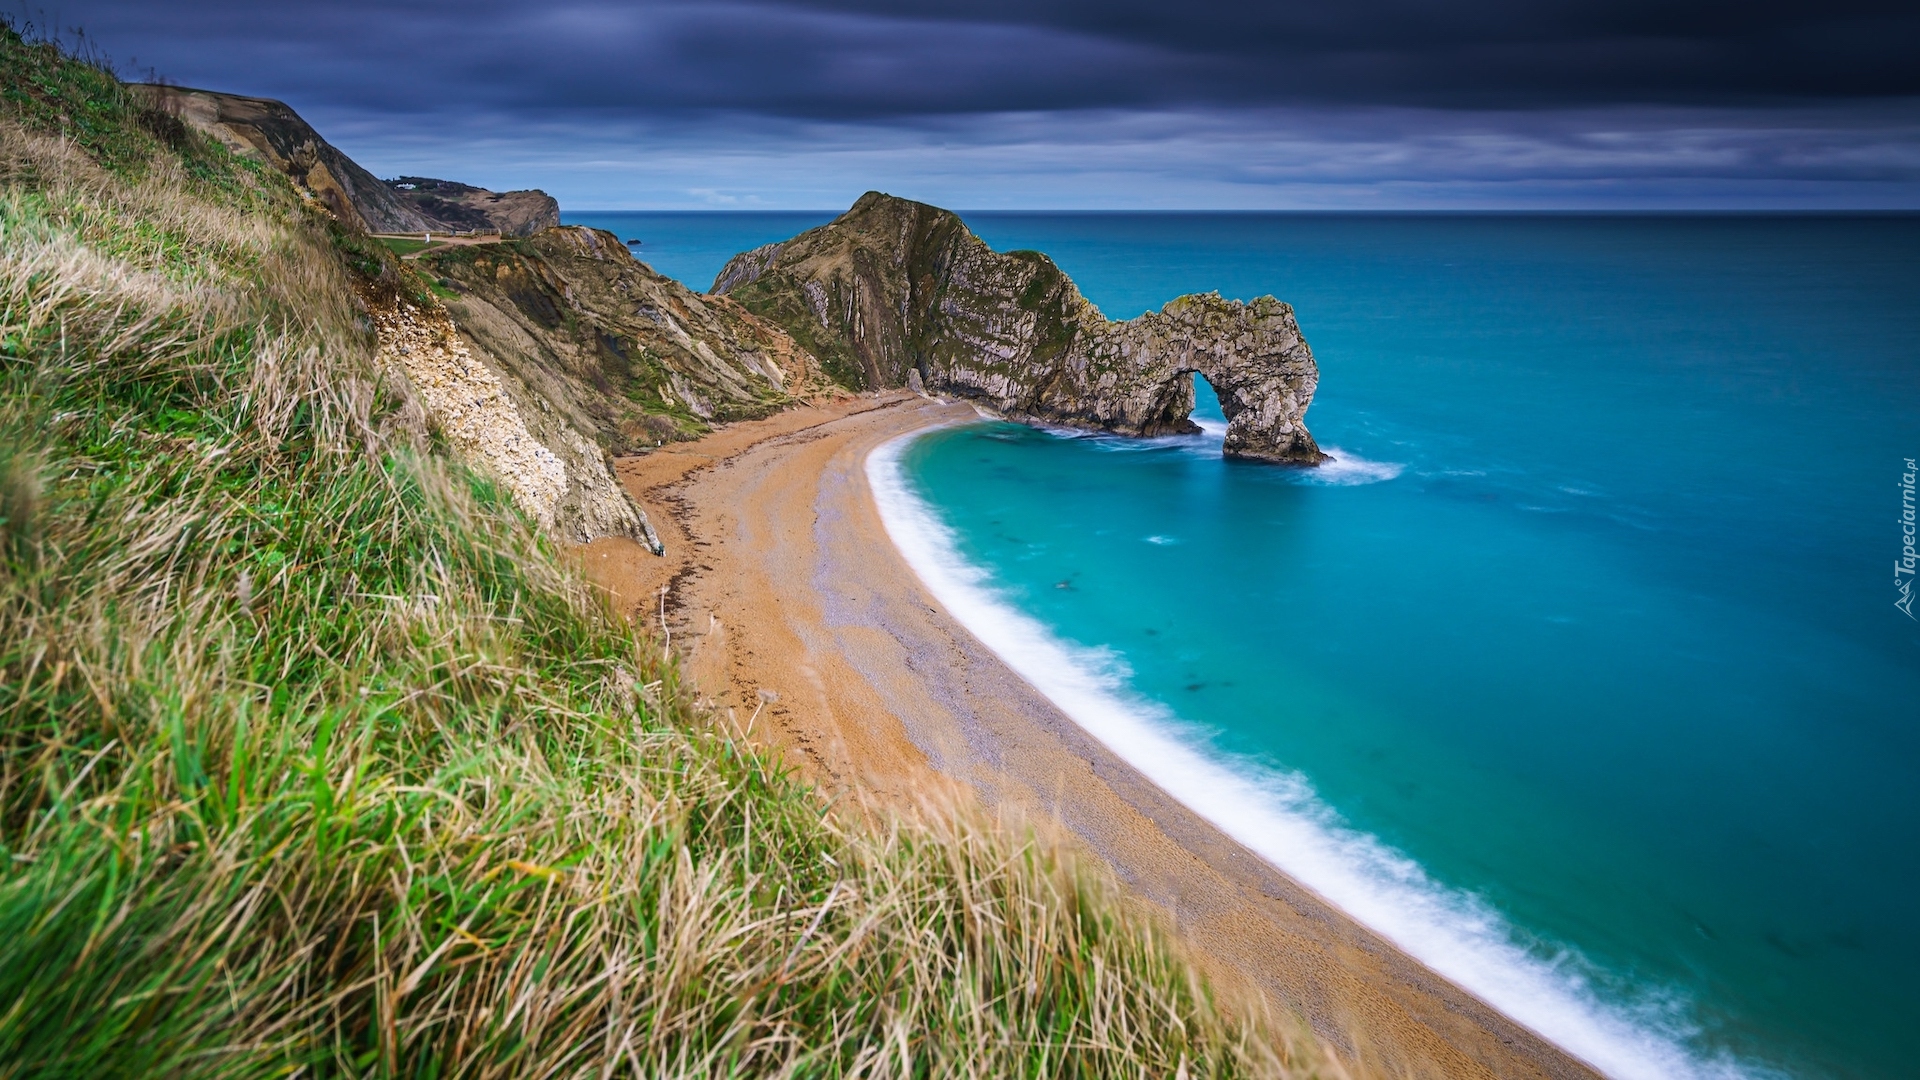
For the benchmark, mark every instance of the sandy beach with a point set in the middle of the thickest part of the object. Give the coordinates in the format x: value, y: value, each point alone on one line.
x: 792, y: 608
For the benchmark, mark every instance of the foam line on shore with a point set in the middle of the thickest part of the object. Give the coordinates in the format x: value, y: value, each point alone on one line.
x: 1278, y: 816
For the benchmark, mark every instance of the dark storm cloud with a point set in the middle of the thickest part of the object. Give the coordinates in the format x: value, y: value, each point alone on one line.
x: 852, y: 58
x: 1489, y: 53
x: 1083, y: 102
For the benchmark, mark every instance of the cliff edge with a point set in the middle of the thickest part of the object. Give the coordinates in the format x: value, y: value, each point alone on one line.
x: 271, y: 131
x: 899, y: 293
x: 537, y: 356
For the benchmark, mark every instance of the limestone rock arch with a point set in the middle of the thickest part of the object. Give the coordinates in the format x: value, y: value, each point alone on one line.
x: 894, y: 286
x: 1253, y: 356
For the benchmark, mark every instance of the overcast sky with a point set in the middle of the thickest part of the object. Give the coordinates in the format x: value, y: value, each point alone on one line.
x: 1082, y: 104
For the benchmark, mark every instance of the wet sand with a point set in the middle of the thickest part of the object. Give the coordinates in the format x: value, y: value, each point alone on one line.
x: 794, y: 611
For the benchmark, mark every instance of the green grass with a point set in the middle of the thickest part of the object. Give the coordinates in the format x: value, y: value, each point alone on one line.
x: 315, y: 761
x: 400, y: 246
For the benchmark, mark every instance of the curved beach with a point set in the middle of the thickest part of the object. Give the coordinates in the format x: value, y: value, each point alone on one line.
x: 795, y: 611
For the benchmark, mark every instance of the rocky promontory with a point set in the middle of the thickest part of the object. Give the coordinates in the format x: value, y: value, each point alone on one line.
x: 539, y: 358
x: 465, y: 208
x: 539, y: 355
x: 272, y: 132
x: 895, y: 292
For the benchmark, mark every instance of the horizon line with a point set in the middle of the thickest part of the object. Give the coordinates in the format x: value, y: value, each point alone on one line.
x: 1656, y: 211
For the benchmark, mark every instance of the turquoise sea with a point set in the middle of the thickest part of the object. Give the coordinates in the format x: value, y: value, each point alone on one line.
x: 1578, y: 673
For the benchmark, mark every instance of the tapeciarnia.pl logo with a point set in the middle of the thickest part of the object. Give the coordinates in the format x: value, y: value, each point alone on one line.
x: 1903, y: 566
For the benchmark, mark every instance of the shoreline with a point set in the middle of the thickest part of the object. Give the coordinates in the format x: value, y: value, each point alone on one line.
x: 797, y: 616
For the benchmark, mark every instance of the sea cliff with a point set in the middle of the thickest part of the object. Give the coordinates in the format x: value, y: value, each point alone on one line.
x: 538, y: 356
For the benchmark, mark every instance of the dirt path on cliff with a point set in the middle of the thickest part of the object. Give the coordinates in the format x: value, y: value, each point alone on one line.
x: 442, y: 240
x: 796, y: 614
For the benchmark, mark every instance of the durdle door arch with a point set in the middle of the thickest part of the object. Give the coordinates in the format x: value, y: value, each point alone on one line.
x: 1252, y: 355
x: 1263, y: 408
x: 894, y: 285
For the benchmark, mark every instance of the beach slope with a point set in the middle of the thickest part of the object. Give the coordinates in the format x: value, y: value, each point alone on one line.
x: 799, y: 619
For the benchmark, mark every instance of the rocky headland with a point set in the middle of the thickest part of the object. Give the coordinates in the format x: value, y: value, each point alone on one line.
x: 465, y: 208
x: 898, y: 293
x: 539, y: 357
x: 272, y: 132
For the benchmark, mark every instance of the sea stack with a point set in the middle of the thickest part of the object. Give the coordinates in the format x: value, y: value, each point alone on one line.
x: 894, y: 288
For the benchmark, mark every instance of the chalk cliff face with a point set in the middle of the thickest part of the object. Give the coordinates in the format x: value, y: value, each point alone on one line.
x: 894, y: 292
x: 273, y: 132
x: 560, y: 477
x: 628, y: 356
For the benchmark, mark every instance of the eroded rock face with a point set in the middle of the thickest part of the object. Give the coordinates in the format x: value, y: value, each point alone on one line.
x: 556, y: 474
x: 626, y: 355
x: 1133, y: 377
x: 272, y: 132
x: 539, y: 359
x: 894, y: 287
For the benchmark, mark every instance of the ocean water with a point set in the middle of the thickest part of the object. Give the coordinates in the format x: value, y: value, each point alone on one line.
x: 1578, y: 673
x: 692, y: 245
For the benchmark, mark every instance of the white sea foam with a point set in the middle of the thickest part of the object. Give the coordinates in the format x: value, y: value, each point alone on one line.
x: 1347, y: 469
x: 1342, y: 469
x: 1278, y: 816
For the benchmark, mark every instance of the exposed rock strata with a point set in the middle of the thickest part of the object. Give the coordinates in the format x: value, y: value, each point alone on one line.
x: 892, y: 288
x: 541, y: 357
x: 627, y: 356
x: 559, y: 477
x: 272, y: 132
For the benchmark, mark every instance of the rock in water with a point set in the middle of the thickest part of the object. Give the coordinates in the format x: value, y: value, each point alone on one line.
x: 894, y: 288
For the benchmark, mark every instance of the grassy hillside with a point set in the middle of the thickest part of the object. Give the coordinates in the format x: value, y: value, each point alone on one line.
x: 315, y: 761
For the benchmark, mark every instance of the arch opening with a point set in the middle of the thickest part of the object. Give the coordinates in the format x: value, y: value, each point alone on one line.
x: 1206, y: 401
x: 1258, y: 404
